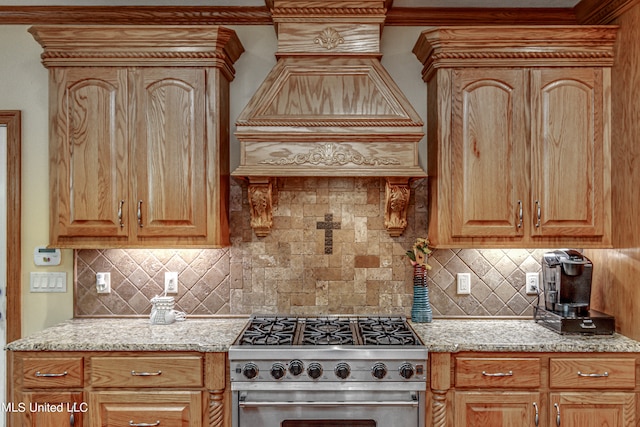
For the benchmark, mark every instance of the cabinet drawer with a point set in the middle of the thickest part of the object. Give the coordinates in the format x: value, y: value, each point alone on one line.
x: 175, y: 371
x: 592, y: 373
x: 52, y: 372
x: 497, y: 372
x: 158, y: 408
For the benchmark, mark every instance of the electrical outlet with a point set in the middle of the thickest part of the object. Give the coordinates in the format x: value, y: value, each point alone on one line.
x: 532, y: 283
x: 464, y: 283
x: 171, y: 282
x: 103, y: 283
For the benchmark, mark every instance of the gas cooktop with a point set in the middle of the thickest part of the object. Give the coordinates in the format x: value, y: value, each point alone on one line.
x: 328, y: 330
x: 278, y: 350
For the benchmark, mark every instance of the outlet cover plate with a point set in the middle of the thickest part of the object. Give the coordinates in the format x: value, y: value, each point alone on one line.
x: 463, y: 283
x: 532, y: 283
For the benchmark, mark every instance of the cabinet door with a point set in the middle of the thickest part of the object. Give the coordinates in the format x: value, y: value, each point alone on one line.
x: 497, y: 409
x: 47, y: 409
x: 88, y: 152
x: 568, y: 152
x: 168, y: 140
x: 129, y: 408
x: 591, y: 409
x: 488, y: 148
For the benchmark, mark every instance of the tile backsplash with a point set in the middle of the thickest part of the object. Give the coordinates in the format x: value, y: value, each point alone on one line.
x: 328, y: 252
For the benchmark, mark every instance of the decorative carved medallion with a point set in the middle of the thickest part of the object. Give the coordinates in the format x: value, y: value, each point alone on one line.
x: 329, y: 38
x: 396, y: 203
x: 332, y: 155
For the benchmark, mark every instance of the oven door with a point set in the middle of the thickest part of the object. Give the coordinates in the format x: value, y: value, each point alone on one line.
x: 340, y: 408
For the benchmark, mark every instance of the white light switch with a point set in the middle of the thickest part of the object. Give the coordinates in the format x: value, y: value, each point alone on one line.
x: 48, y: 282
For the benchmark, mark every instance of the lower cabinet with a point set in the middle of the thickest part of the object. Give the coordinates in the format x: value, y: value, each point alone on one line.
x: 593, y: 409
x: 497, y: 409
x: 51, y: 408
x: 475, y: 389
x: 108, y: 389
x: 158, y: 408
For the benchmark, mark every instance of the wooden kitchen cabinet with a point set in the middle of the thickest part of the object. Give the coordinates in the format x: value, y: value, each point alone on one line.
x: 592, y: 392
x: 49, y: 391
x: 139, y: 134
x: 109, y: 388
x: 508, y: 393
x: 518, y: 135
x: 473, y: 389
x: 160, y: 408
x: 496, y: 409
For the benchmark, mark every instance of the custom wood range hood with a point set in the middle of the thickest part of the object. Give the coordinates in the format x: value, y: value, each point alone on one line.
x: 328, y: 108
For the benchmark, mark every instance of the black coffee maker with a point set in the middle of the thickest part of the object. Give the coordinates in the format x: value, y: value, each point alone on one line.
x: 566, y: 282
x: 566, y: 289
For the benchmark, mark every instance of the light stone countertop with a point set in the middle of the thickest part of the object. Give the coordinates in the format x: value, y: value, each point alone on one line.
x: 122, y: 334
x: 217, y: 334
x: 451, y: 336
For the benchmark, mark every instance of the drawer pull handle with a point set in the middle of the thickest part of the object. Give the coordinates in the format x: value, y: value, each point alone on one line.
x: 146, y: 374
x: 606, y: 374
x: 497, y: 374
x: 555, y: 405
x: 40, y: 374
x: 132, y: 424
x: 537, y: 417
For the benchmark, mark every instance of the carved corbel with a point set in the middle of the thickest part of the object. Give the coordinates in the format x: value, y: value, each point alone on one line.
x: 397, y: 194
x: 260, y: 193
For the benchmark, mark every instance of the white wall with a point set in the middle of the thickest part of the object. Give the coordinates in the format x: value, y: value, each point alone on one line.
x: 23, y: 86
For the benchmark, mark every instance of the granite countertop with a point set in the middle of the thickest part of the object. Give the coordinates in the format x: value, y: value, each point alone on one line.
x: 451, y: 336
x: 122, y: 334
x: 217, y: 334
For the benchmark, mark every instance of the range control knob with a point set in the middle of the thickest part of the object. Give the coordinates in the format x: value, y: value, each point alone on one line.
x: 379, y: 370
x: 278, y: 370
x: 314, y: 370
x: 342, y: 370
x: 296, y: 367
x: 406, y: 370
x: 250, y: 370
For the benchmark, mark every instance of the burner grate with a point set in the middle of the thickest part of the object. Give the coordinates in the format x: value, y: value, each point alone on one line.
x: 270, y: 331
x: 327, y: 331
x: 386, y: 331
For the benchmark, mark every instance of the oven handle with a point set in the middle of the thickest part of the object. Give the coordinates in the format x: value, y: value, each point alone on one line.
x: 413, y: 403
x: 336, y: 403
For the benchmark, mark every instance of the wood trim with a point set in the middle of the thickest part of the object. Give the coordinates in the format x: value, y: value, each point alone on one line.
x: 590, y: 12
x: 12, y: 119
x: 251, y: 15
x: 436, y: 16
x: 598, y: 12
x: 135, y: 15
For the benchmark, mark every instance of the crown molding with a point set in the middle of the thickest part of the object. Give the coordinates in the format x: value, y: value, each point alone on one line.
x: 591, y: 12
x: 255, y: 15
x: 598, y: 12
x: 135, y: 15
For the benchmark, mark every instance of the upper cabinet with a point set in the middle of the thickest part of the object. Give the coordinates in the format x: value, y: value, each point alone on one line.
x: 139, y: 134
x: 518, y: 135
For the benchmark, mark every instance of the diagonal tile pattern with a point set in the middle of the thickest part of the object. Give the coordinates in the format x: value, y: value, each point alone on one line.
x: 292, y: 271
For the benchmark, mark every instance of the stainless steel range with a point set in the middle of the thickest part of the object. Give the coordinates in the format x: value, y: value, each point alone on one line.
x: 328, y: 371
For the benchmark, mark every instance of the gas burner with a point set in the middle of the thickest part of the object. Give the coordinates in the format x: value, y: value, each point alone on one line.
x: 270, y: 331
x: 327, y: 331
x: 386, y: 331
